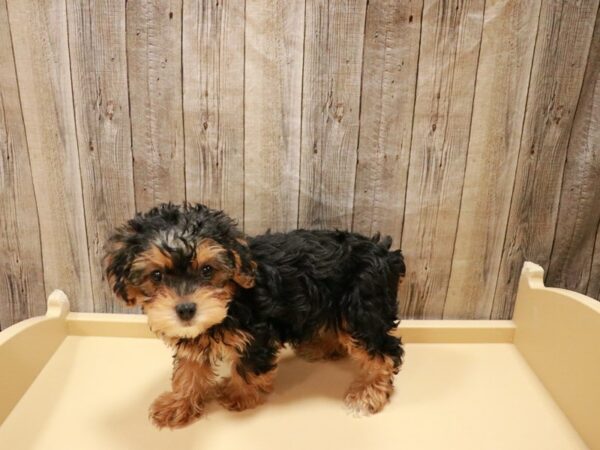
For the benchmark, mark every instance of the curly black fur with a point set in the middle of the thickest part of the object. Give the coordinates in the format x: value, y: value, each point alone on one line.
x: 305, y: 281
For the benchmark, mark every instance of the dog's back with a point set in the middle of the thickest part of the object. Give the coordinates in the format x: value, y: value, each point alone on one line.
x: 310, y: 279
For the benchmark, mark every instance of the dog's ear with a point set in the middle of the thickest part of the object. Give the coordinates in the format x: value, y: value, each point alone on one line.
x: 120, y: 251
x: 245, y: 268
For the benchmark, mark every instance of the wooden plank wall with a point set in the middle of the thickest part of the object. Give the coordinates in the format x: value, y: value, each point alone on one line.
x: 448, y: 60
x: 467, y: 130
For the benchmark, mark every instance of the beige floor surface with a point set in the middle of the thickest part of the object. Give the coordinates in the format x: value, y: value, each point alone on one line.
x: 94, y: 394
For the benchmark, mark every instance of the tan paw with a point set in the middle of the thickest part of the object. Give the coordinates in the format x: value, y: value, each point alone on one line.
x: 236, y: 400
x: 174, y: 411
x: 366, y: 399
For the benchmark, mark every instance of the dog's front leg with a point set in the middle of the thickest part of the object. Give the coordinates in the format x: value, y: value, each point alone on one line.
x: 245, y: 388
x: 192, y: 384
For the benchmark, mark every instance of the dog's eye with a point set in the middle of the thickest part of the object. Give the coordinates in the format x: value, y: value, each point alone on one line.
x: 206, y: 271
x: 156, y: 276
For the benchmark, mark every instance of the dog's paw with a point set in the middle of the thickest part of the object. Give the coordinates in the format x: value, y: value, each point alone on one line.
x: 366, y: 399
x: 171, y: 410
x: 239, y: 400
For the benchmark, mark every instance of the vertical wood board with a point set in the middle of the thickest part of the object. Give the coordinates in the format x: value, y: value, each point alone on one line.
x: 502, y: 84
x: 21, y: 273
x: 579, y: 208
x: 450, y: 39
x: 272, y: 111
x: 561, y: 51
x: 391, y: 53
x: 100, y: 98
x: 41, y: 48
x: 333, y: 47
x: 156, y: 94
x: 213, y: 103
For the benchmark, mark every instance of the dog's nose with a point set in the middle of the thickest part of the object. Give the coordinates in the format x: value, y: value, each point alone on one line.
x: 186, y: 311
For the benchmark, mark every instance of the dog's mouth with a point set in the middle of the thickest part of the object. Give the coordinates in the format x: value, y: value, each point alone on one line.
x: 189, y: 328
x: 176, y: 327
x: 187, y: 333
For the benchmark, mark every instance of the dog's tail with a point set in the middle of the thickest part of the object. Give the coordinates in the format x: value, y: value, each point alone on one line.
x: 394, y: 258
x: 385, y: 243
x: 396, y: 262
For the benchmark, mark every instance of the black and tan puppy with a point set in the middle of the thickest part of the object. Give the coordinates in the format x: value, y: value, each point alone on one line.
x: 213, y: 294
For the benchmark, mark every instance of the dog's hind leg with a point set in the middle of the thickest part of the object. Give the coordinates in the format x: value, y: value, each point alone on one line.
x: 325, y: 344
x: 371, y: 390
x: 370, y: 325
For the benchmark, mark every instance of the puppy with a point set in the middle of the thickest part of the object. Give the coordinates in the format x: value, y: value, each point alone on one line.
x: 213, y: 294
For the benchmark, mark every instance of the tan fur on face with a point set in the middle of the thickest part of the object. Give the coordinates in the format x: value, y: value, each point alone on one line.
x: 211, y: 309
x: 207, y: 251
x: 210, y: 253
x: 152, y: 259
x: 370, y: 392
x: 145, y: 263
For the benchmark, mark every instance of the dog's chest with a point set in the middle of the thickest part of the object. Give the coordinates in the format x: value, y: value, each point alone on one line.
x: 222, y: 365
x: 215, y: 353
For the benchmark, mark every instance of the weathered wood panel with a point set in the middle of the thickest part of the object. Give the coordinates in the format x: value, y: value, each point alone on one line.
x: 156, y: 95
x: 100, y: 98
x: 593, y: 288
x: 272, y: 108
x: 469, y: 136
x: 579, y: 209
x: 502, y: 83
x: 333, y: 48
x: 213, y: 103
x: 391, y: 53
x: 562, y: 46
x: 40, y: 41
x: 450, y: 40
x: 21, y: 273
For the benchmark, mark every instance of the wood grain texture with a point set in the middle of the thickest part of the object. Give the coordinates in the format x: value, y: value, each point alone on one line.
x: 561, y: 51
x: 156, y: 95
x: 579, y: 209
x: 391, y: 53
x: 99, y: 74
x: 450, y: 40
x: 330, y: 111
x: 502, y: 83
x: 21, y: 273
x: 213, y: 103
x: 40, y: 41
x: 468, y: 130
x: 593, y: 287
x: 272, y: 109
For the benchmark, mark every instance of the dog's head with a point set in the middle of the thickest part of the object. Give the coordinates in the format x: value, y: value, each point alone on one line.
x: 183, y: 264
